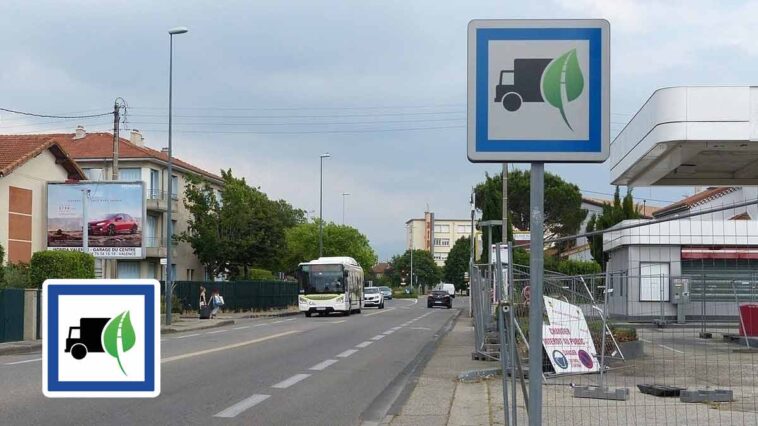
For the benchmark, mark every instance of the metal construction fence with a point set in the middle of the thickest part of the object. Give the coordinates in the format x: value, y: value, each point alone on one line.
x: 239, y: 295
x: 667, y: 335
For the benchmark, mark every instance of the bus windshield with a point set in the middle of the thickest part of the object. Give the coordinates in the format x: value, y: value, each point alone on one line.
x: 316, y: 279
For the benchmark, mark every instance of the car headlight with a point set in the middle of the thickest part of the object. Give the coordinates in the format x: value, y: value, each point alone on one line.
x: 302, y: 299
x: 340, y: 299
x: 311, y: 303
x: 100, y: 224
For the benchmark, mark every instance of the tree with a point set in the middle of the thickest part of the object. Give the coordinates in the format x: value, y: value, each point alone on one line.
x: 458, y: 262
x: 563, y: 204
x: 339, y: 240
x: 240, y: 230
x: 425, y: 270
x: 612, y: 214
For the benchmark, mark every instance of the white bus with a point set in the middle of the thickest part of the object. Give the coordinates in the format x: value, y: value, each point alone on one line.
x: 330, y: 284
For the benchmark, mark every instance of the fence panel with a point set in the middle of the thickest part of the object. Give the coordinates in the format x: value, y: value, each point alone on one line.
x: 11, y: 314
x: 239, y: 295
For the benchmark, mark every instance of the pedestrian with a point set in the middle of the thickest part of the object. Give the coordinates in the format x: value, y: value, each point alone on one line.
x: 203, y: 301
x: 217, y: 302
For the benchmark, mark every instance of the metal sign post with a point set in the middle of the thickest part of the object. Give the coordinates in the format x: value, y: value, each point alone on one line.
x: 538, y: 91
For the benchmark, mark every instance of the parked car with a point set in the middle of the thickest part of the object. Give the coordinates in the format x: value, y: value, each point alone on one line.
x: 449, y: 288
x: 372, y: 296
x: 112, y: 224
x: 439, y: 298
x: 386, y: 292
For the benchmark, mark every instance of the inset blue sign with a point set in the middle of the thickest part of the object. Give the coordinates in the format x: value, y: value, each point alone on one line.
x: 538, y: 90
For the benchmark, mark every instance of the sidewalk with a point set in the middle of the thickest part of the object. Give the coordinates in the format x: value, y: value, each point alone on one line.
x: 180, y: 324
x: 440, y: 399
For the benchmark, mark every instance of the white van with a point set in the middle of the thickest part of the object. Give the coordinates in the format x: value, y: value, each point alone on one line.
x: 449, y: 288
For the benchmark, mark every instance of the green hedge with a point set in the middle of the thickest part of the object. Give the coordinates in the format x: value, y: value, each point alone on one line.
x: 60, y: 264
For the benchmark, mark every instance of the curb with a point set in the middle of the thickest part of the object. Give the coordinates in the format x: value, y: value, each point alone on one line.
x: 253, y: 315
x: 21, y: 348
x: 168, y: 330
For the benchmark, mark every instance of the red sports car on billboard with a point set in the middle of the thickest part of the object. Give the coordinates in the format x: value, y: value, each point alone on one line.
x: 118, y: 223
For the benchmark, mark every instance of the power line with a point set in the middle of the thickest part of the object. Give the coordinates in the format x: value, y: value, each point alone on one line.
x: 382, y: 114
x: 314, y: 108
x: 55, y: 116
x: 309, y: 131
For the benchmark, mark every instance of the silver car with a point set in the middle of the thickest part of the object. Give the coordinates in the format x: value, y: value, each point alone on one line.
x: 386, y: 292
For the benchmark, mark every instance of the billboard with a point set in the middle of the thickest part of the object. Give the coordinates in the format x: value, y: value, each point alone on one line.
x: 115, y: 213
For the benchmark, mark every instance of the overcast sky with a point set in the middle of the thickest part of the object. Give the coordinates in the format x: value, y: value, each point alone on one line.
x: 264, y: 87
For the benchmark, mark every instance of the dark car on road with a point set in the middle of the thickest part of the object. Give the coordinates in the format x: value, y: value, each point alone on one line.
x: 112, y: 224
x: 387, y: 292
x: 439, y: 298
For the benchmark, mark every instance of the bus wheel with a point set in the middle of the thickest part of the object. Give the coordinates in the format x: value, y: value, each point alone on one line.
x: 347, y: 313
x: 308, y: 314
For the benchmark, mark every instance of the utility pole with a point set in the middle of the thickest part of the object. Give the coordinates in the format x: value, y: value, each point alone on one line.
x: 116, y: 119
x: 505, y: 226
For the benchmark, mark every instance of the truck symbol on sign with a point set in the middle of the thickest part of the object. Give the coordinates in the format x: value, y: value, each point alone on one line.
x: 527, y: 77
x: 86, y: 338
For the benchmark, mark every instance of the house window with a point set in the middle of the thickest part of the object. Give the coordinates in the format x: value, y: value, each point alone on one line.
x: 151, y: 270
x: 464, y: 229
x: 442, y: 242
x: 174, y: 187
x: 93, y: 173
x: 440, y: 256
x: 128, y: 269
x: 151, y: 234
x: 155, y: 185
x: 134, y: 174
x: 190, y: 274
x: 654, y: 282
x: 442, y: 229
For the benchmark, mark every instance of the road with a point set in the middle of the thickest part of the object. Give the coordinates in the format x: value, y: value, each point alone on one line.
x: 293, y: 370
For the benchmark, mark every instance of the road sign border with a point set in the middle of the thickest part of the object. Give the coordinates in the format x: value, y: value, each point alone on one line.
x: 52, y: 387
x: 594, y: 149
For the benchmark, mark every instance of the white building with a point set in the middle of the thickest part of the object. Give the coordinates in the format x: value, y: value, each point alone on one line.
x: 436, y: 236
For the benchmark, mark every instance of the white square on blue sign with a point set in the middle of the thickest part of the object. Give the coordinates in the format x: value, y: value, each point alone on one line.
x: 538, y: 90
x: 101, y: 338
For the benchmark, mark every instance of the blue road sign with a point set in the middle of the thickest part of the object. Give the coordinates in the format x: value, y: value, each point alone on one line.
x: 538, y: 90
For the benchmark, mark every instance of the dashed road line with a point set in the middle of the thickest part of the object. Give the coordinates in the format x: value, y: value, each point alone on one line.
x: 241, y: 328
x: 217, y: 331
x: 187, y: 335
x: 388, y: 332
x: 232, y: 346
x: 364, y: 344
x: 378, y: 337
x: 24, y: 361
x: 241, y: 406
x: 324, y: 364
x: 671, y: 349
x: 347, y: 353
x: 284, y: 384
x: 338, y: 322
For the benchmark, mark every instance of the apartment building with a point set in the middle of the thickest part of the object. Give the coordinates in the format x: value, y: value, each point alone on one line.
x: 27, y: 163
x: 436, y: 236
x: 93, y: 152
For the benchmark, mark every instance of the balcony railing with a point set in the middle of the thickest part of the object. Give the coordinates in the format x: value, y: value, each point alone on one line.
x: 156, y: 200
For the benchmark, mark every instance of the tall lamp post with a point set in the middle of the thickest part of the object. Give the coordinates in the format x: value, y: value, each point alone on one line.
x: 169, y: 226
x: 344, y: 194
x: 321, y: 206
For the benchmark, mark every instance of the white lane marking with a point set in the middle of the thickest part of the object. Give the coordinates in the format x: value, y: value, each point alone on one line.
x: 188, y: 335
x: 217, y: 331
x: 259, y: 325
x: 347, y: 353
x: 232, y: 346
x: 291, y: 319
x: 645, y: 340
x: 364, y: 344
x: 241, y: 328
x: 420, y: 328
x: 284, y: 384
x: 322, y: 365
x: 396, y: 328
x: 671, y: 349
x: 388, y: 332
x: 378, y: 337
x: 24, y: 361
x: 338, y: 322
x: 241, y: 406
x: 278, y: 322
x: 381, y: 311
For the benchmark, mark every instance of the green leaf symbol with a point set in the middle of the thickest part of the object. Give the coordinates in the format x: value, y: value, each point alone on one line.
x: 119, y: 329
x: 563, y: 77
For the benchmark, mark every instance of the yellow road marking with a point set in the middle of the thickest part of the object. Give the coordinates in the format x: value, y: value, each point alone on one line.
x: 227, y: 347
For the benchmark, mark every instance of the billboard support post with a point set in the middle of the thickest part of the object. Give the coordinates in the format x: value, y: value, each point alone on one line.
x: 85, y: 221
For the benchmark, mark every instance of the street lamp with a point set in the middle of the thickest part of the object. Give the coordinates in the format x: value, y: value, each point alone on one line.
x: 344, y: 194
x: 321, y: 206
x: 169, y: 228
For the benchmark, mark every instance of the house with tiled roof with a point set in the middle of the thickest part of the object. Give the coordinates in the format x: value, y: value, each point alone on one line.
x: 27, y: 163
x: 94, y: 154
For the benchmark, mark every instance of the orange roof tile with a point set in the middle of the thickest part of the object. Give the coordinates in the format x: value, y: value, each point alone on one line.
x: 15, y: 150
x: 100, y: 146
x: 696, y: 199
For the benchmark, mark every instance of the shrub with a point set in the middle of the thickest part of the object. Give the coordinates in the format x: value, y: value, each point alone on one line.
x: 16, y: 275
x: 60, y: 264
x: 260, y: 275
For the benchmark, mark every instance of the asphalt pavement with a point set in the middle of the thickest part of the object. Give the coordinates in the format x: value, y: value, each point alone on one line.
x: 317, y: 371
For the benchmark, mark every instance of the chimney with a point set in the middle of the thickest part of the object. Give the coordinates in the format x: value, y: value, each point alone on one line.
x: 136, y: 138
x: 80, y: 132
x: 164, y: 150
